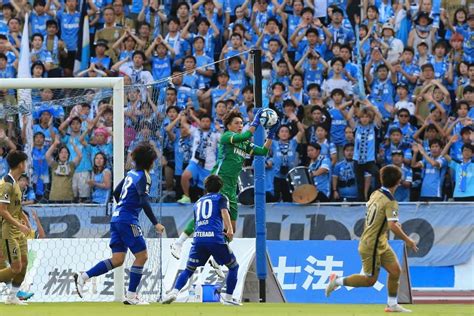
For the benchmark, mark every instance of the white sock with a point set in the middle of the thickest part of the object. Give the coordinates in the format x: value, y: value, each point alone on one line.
x: 84, y: 276
x: 227, y: 297
x: 340, y: 281
x: 392, y: 301
x: 174, y: 292
x: 182, y: 238
x: 131, y: 294
x: 14, y: 290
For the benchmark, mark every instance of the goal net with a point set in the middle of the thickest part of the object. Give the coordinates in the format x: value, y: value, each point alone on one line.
x: 79, y: 134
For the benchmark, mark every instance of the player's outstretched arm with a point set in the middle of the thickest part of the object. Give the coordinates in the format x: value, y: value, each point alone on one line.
x: 397, y: 229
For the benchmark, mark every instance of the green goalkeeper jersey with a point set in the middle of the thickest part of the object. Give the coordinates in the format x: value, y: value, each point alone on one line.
x: 233, y: 149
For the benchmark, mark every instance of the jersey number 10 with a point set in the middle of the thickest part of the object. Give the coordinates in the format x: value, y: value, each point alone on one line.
x: 203, y: 209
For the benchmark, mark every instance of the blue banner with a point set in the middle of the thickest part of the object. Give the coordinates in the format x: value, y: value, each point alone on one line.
x: 443, y: 231
x: 303, y: 268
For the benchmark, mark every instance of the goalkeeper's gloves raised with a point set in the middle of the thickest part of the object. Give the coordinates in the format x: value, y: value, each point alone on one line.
x: 272, y: 132
x: 256, y: 119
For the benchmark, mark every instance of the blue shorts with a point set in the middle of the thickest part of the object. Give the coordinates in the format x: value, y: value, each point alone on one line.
x: 124, y: 236
x: 199, y: 173
x: 201, y: 252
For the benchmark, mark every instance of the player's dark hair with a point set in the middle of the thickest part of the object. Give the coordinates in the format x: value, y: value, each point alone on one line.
x: 144, y: 155
x: 213, y: 184
x: 16, y: 157
x: 247, y: 88
x: 313, y: 86
x: 390, y: 176
x: 230, y: 116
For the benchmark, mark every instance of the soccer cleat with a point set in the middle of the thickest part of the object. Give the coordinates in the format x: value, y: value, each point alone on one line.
x: 24, y: 296
x: 171, y: 297
x: 184, y: 200
x: 217, y: 268
x: 134, y: 300
x: 396, y: 309
x: 14, y: 300
x: 227, y: 299
x: 79, y: 281
x: 176, y: 250
x: 332, y: 284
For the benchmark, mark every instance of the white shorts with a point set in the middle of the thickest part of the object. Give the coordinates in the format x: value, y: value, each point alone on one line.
x: 80, y: 188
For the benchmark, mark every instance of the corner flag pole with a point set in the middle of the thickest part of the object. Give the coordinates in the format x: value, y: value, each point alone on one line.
x: 259, y: 176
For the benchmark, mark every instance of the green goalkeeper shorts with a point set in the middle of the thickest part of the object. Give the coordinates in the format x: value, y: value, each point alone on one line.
x: 229, y: 192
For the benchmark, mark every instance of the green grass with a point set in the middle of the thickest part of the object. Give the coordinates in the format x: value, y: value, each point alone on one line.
x: 118, y: 309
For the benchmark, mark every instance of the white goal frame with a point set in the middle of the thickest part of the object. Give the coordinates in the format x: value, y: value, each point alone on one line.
x: 117, y: 84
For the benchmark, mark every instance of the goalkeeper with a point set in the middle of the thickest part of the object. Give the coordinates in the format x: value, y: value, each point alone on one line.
x: 234, y: 146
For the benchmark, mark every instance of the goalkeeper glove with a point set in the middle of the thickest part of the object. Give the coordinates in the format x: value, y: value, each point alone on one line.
x: 256, y: 120
x: 273, y: 131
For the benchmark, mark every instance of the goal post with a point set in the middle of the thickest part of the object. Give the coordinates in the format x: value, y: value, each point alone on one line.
x: 117, y: 85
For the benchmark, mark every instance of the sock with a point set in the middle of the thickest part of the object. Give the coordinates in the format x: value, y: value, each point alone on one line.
x: 189, y: 230
x: 136, y: 273
x: 6, y: 275
x: 131, y: 294
x: 14, y: 290
x: 182, y: 238
x: 101, y: 268
x: 340, y: 281
x: 232, y: 279
x: 392, y: 301
x: 183, y: 279
x: 227, y: 297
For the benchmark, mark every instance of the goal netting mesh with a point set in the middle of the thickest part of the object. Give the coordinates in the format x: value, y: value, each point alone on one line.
x: 71, y: 197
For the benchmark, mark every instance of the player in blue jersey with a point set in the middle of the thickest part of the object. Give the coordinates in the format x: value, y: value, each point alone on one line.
x: 131, y: 196
x: 212, y: 224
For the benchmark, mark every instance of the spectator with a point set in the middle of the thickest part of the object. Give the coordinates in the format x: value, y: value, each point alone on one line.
x: 28, y: 196
x: 101, y: 180
x: 433, y: 170
x: 62, y: 172
x: 344, y: 186
x: 285, y: 158
x: 320, y: 170
x: 463, y: 171
x: 402, y: 194
x: 365, y: 144
x: 204, y: 154
x: 39, y: 53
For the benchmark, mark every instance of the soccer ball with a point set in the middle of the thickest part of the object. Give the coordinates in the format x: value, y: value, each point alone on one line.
x: 268, y: 118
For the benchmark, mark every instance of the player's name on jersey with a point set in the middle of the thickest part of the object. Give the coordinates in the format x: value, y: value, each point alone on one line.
x: 204, y: 234
x: 240, y: 152
x: 203, y: 222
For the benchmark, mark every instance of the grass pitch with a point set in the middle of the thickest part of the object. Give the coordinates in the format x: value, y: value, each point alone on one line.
x: 118, y: 309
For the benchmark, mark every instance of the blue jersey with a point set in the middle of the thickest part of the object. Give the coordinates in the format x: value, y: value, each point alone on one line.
x: 433, y: 178
x: 208, y: 218
x: 135, y: 188
x: 365, y: 143
x: 464, y: 178
x: 38, y: 23
x: 338, y: 127
x: 69, y: 23
x: 322, y: 182
x: 346, y: 180
x: 402, y: 194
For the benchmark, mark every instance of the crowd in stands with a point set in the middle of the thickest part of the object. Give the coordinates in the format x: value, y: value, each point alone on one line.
x: 401, y: 92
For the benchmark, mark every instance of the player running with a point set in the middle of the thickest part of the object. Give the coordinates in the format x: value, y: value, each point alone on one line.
x: 211, y: 216
x: 131, y: 196
x: 374, y: 249
x: 14, y: 232
x: 234, y: 147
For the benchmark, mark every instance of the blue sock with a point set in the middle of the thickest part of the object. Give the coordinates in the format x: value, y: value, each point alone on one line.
x: 136, y: 273
x: 183, y: 279
x: 232, y: 279
x: 100, y: 268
